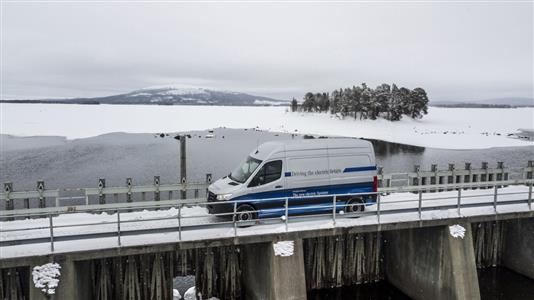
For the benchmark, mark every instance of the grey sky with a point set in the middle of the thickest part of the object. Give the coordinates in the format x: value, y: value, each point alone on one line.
x: 456, y: 51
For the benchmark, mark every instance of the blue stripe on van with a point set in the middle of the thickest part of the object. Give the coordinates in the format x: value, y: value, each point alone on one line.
x: 350, y: 188
x: 287, y: 174
x: 359, y: 169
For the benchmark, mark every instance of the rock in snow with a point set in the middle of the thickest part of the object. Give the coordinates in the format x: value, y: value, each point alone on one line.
x: 46, y: 277
x: 457, y: 231
x: 283, y: 248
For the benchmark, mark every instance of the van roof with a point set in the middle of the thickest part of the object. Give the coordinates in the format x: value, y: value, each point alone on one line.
x: 265, y: 150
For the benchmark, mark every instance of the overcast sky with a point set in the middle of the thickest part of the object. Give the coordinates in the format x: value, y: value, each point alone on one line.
x: 456, y: 51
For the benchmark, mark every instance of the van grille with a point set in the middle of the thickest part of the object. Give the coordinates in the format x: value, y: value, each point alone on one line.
x: 212, y: 197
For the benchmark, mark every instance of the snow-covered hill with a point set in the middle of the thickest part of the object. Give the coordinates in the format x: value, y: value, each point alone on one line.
x: 185, y: 95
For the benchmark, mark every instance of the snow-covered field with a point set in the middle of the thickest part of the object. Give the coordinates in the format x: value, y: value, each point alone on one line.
x: 446, y: 128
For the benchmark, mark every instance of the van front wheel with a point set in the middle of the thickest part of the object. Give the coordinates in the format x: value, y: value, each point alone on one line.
x: 245, y: 213
x: 354, y: 205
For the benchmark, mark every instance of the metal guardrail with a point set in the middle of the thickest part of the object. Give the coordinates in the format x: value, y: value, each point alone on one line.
x: 434, y: 180
x: 233, y: 219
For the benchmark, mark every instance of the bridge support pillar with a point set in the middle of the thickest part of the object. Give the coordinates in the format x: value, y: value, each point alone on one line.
x: 268, y: 276
x: 74, y: 282
x: 518, y: 250
x: 429, y: 263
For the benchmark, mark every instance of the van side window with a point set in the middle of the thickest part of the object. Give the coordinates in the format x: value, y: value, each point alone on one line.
x: 270, y: 172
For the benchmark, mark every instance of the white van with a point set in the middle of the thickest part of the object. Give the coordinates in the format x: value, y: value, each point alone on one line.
x: 298, y: 170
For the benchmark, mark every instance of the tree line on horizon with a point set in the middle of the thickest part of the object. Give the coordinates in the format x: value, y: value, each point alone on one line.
x: 363, y: 102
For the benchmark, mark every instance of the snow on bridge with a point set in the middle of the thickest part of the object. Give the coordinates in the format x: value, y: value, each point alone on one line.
x: 82, y: 228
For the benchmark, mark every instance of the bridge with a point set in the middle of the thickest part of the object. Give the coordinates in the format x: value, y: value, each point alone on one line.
x: 426, y: 236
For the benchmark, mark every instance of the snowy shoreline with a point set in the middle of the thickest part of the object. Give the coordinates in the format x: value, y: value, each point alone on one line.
x: 444, y: 128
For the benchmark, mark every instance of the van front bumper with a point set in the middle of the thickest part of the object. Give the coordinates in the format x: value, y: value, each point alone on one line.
x: 219, y: 207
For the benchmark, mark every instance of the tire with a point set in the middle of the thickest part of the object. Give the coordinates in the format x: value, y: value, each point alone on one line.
x: 354, y: 205
x: 246, y: 213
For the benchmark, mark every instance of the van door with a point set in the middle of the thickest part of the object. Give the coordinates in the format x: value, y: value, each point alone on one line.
x: 268, y: 183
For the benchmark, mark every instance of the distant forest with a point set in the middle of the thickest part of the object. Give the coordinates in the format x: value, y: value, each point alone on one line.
x: 363, y: 102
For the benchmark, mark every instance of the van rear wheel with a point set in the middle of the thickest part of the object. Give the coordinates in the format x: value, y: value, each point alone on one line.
x: 354, y: 205
x: 245, y: 213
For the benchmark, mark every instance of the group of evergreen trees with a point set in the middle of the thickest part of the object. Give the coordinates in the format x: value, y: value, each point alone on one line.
x: 363, y: 102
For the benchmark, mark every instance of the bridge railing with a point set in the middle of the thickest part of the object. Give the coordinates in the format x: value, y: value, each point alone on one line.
x: 180, y: 216
x: 434, y: 180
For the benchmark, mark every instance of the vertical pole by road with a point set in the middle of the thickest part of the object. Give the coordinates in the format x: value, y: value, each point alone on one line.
x: 334, y: 210
x: 119, y: 227
x: 101, y: 195
x: 51, y: 224
x: 40, y: 190
x: 495, y: 198
x: 183, y: 164
x: 530, y: 196
x: 459, y: 200
x: 286, y: 212
x: 420, y: 203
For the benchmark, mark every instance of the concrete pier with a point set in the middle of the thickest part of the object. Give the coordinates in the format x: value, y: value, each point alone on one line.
x: 518, y: 254
x: 267, y: 276
x: 428, y: 263
x: 74, y: 282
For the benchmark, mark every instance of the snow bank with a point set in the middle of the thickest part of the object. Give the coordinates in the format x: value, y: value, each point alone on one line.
x: 176, y: 295
x: 46, y: 277
x: 283, y: 248
x: 447, y: 128
x: 457, y: 231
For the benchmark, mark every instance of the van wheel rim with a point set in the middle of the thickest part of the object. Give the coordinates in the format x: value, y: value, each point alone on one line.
x: 245, y: 216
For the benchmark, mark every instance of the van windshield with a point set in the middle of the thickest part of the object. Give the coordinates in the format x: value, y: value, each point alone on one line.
x: 244, y: 170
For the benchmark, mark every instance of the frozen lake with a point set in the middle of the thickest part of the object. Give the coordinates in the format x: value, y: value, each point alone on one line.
x: 444, y: 128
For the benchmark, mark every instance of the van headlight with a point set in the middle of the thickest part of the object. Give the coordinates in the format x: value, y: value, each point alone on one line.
x: 224, y: 197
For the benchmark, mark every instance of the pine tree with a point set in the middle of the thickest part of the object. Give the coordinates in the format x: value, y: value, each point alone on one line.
x: 294, y: 105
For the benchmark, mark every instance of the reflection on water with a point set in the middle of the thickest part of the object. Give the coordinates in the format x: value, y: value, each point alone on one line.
x: 502, y: 284
x: 372, y: 291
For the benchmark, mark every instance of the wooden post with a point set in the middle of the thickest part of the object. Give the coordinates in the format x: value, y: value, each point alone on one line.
x: 451, y: 178
x: 156, y: 186
x: 101, y: 195
x: 183, y: 164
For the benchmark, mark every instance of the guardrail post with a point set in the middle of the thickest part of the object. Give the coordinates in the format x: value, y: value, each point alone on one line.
x: 287, y: 212
x: 495, y: 188
x: 183, y: 163
x: 101, y: 195
x: 208, y: 182
x: 420, y: 203
x: 42, y: 199
x: 183, y: 192
x: 451, y: 178
x: 378, y: 207
x: 119, y: 227
x: 530, y: 196
x: 8, y: 188
x: 234, y: 218
x: 156, y: 186
x: 51, y: 224
x: 129, y: 186
x: 459, y: 200
x: 529, y: 170
x: 180, y: 222
x: 416, y: 179
x: 334, y: 210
